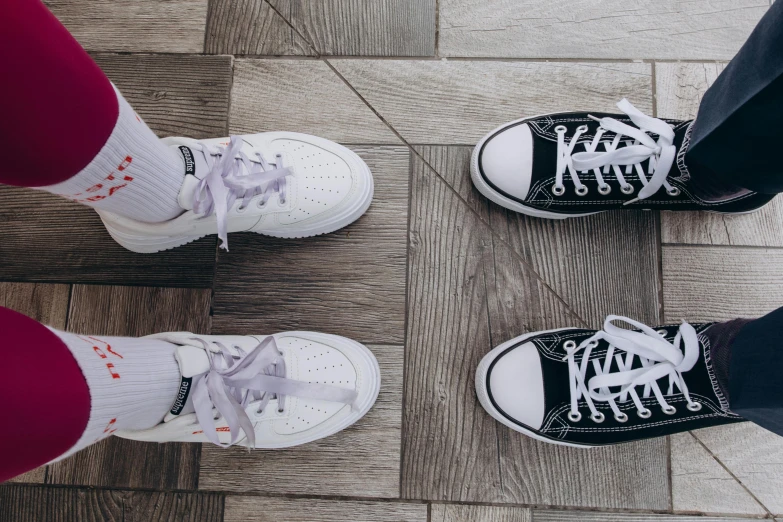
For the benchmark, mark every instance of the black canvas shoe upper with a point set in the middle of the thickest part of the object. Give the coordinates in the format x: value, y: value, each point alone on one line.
x: 672, y: 408
x: 590, y: 193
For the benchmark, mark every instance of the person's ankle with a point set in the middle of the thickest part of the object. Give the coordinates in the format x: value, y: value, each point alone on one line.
x: 720, y: 337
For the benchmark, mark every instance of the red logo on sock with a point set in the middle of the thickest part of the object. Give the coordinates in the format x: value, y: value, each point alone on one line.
x: 110, y: 185
x: 102, y: 354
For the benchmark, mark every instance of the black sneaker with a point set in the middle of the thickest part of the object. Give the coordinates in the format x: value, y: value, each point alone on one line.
x: 575, y: 164
x: 593, y: 388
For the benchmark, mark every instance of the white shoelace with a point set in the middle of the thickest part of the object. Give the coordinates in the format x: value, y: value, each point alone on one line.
x: 659, y: 358
x: 234, y: 381
x: 661, y: 154
x: 233, y: 175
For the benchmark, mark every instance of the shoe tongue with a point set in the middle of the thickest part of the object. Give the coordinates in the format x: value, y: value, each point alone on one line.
x: 192, y: 361
x: 195, y: 170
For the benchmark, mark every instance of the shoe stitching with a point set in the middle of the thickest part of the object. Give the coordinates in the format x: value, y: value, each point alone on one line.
x: 724, y: 403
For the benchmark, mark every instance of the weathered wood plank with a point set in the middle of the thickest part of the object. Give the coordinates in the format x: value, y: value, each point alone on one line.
x: 302, y: 96
x: 134, y: 311
x: 360, y: 461
x: 540, y: 515
x: 668, y: 29
x: 679, y: 88
x: 170, y: 26
x: 457, y: 102
x: 468, y: 513
x: 242, y: 509
x: 720, y: 283
x: 351, y: 282
x: 47, y: 504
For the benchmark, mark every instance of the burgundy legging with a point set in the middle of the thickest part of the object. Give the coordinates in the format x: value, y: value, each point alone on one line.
x: 57, y: 109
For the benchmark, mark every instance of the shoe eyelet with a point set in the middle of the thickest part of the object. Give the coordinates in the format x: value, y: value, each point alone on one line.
x: 574, y: 417
x: 669, y: 410
x: 598, y: 418
x: 558, y: 190
x: 627, y: 189
x: 560, y: 128
x: 621, y: 418
x: 592, y: 344
x: 260, y: 412
x: 663, y: 333
x: 581, y: 190
x: 644, y: 414
x: 240, y: 209
x: 694, y: 406
x: 569, y: 344
x: 674, y: 192
x: 604, y: 189
x: 281, y: 202
x: 280, y: 412
x: 582, y: 128
x: 261, y: 203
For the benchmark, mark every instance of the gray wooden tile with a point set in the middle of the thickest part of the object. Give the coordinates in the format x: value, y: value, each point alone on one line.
x: 251, y: 27
x: 679, y: 88
x: 667, y: 29
x: 134, y: 311
x: 721, y: 283
x: 700, y: 484
x: 46, y: 504
x: 356, y: 27
x: 241, y: 509
x: 302, y: 96
x: 351, y: 282
x: 469, y: 513
x: 170, y: 26
x: 468, y: 293
x: 48, y: 304
x: 754, y: 455
x: 360, y: 461
x: 448, y: 102
x: 540, y: 515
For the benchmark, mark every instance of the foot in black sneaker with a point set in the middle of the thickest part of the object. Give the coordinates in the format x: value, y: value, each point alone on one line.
x: 576, y: 164
x: 586, y: 388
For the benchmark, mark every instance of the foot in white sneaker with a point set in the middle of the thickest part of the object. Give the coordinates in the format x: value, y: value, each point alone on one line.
x: 280, y: 184
x: 271, y: 391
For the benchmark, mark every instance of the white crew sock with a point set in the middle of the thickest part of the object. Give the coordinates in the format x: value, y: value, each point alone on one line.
x: 135, y: 174
x: 133, y: 383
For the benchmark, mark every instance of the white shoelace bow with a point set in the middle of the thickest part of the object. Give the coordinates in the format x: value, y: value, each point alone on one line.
x: 659, y: 358
x: 234, y: 175
x: 233, y: 381
x: 661, y: 154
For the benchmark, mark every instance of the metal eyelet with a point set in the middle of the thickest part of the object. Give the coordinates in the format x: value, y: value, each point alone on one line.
x: 663, y: 333
x: 574, y: 417
x: 261, y: 203
x: 240, y: 209
x: 674, y: 192
x: 669, y: 410
x: 645, y: 414
x: 592, y: 344
x: 621, y: 418
x: 569, y: 344
x: 558, y: 190
x: 604, y: 189
x: 627, y: 189
x: 598, y: 418
x: 582, y: 128
x: 694, y: 406
x: 581, y: 190
x: 560, y: 128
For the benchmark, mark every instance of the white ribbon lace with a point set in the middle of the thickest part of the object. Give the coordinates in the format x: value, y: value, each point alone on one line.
x: 234, y: 381
x: 641, y: 147
x: 659, y: 358
x: 233, y: 175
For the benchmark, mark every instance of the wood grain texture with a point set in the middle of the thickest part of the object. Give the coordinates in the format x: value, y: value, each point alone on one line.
x: 468, y: 513
x: 251, y: 27
x: 679, y: 89
x: 668, y: 29
x: 360, y: 461
x: 600, y: 265
x: 242, y: 509
x: 457, y: 102
x: 357, y: 27
x: 47, y: 504
x: 134, y: 312
x: 48, y: 304
x: 168, y: 26
x: 302, y: 96
x: 351, y: 282
x: 468, y: 293
x: 175, y: 95
x: 596, y: 516
x: 700, y: 484
x: 754, y: 455
x: 720, y: 283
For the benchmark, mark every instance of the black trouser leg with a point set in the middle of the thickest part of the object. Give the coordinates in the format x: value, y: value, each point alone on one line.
x: 738, y: 133
x: 756, y: 371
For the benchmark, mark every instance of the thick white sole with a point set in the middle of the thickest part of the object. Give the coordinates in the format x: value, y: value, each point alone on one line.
x: 483, y: 394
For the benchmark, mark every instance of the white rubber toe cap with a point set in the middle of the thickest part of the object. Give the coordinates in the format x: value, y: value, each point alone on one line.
x: 507, y: 160
x: 516, y: 385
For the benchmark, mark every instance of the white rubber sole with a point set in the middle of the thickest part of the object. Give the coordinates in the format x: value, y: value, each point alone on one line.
x: 483, y: 394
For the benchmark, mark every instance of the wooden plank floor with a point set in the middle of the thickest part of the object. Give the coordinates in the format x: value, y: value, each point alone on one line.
x: 431, y: 278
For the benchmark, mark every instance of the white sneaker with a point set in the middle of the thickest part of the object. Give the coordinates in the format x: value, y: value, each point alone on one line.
x: 270, y: 391
x: 281, y: 184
